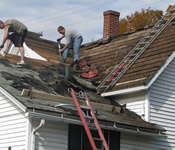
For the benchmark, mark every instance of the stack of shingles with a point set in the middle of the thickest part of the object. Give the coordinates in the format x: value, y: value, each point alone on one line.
x: 88, y: 71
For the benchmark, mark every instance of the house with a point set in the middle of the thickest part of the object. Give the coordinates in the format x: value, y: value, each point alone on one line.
x: 147, y: 87
x: 33, y: 113
x: 29, y: 96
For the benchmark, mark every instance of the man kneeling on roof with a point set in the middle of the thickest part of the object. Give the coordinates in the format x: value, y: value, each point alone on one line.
x: 17, y: 37
x: 73, y: 40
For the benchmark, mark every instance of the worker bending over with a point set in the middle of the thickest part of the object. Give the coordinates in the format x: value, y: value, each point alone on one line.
x: 19, y: 32
x: 73, y: 40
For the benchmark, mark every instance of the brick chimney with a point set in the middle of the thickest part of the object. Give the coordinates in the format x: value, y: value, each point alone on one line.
x: 111, y: 23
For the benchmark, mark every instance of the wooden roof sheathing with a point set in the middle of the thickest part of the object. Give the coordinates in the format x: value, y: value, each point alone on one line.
x: 106, y: 56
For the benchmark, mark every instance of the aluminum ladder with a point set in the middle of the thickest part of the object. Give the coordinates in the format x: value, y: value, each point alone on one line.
x: 112, y: 78
x: 87, y: 126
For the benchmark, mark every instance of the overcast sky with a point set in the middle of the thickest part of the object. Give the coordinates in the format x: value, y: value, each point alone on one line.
x: 86, y: 16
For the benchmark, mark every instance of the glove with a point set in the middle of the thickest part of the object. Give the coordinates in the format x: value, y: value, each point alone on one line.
x: 58, y: 40
x: 1, y: 46
x: 61, y: 50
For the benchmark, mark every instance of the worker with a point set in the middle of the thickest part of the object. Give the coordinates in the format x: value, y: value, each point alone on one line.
x: 73, y: 40
x: 19, y: 32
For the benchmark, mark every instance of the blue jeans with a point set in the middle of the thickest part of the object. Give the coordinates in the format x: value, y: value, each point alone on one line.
x: 76, y: 47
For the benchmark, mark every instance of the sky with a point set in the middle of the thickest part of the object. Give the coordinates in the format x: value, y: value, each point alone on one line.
x: 85, y: 16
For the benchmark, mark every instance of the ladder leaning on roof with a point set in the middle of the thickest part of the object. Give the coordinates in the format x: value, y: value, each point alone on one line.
x: 89, y: 110
x: 111, y: 79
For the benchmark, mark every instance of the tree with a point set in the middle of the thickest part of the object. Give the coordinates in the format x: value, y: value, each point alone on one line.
x: 140, y: 19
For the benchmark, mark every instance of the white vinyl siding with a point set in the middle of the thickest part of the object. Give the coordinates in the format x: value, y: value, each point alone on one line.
x: 134, y: 102
x: 140, y: 142
x: 12, y: 125
x: 162, y: 103
x: 52, y: 136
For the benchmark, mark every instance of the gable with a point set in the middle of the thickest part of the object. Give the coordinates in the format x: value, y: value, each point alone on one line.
x: 13, y: 124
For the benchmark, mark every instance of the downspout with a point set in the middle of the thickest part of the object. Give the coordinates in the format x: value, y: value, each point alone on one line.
x: 34, y: 131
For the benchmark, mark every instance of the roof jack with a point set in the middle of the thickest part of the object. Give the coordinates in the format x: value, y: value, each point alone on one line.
x: 120, y: 69
x: 80, y: 94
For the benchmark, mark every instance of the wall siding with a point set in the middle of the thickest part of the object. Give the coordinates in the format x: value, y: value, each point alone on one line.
x: 52, y: 136
x: 162, y: 103
x: 134, y: 102
x: 129, y: 141
x: 140, y: 142
x: 12, y: 125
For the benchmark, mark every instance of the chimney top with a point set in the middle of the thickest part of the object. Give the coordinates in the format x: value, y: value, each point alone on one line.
x: 111, y: 12
x: 111, y: 23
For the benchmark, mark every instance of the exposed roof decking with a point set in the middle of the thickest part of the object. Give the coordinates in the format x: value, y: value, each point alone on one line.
x: 145, y: 67
x: 14, y: 78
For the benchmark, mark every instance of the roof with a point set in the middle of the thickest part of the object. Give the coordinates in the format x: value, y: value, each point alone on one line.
x: 111, y: 51
x: 49, y: 77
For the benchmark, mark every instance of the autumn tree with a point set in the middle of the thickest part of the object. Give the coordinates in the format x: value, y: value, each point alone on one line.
x: 140, y: 19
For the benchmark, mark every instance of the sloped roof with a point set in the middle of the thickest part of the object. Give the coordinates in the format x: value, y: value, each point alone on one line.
x: 45, y: 48
x: 50, y: 78
x: 109, y: 53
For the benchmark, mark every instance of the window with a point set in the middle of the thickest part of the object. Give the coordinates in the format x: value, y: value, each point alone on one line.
x: 78, y: 139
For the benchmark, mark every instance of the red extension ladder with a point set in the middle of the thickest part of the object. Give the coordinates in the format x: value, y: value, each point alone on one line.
x: 88, y: 108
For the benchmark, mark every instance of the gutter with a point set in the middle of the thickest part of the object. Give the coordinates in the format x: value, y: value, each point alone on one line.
x: 42, y: 123
x: 78, y: 122
x: 13, y: 99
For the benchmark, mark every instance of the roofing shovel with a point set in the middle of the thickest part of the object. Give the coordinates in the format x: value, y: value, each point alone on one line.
x: 59, y: 48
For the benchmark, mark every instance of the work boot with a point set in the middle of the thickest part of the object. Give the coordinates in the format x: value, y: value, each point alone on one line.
x: 75, y: 66
x: 62, y: 61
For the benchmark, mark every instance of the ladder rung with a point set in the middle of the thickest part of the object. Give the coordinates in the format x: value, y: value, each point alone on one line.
x: 93, y: 128
x: 127, y: 61
x: 90, y: 118
x: 97, y: 139
x: 104, y: 86
x: 159, y: 25
x: 132, y: 54
x: 137, y: 50
x: 154, y: 31
x: 149, y: 37
x: 144, y: 43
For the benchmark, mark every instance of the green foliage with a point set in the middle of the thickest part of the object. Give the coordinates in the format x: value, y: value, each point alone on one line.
x: 140, y: 19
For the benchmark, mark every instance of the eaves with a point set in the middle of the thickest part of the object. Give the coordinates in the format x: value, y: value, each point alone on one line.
x: 110, y: 125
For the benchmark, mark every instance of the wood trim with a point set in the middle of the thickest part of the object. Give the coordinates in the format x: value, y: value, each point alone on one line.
x: 68, y: 100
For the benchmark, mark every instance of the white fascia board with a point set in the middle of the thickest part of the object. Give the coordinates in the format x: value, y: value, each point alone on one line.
x: 167, y: 62
x: 13, y: 99
x: 125, y: 91
x: 66, y: 120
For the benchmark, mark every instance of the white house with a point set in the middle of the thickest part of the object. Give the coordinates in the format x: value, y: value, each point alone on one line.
x: 30, y: 120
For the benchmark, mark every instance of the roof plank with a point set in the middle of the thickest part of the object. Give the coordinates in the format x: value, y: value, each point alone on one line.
x: 67, y: 100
